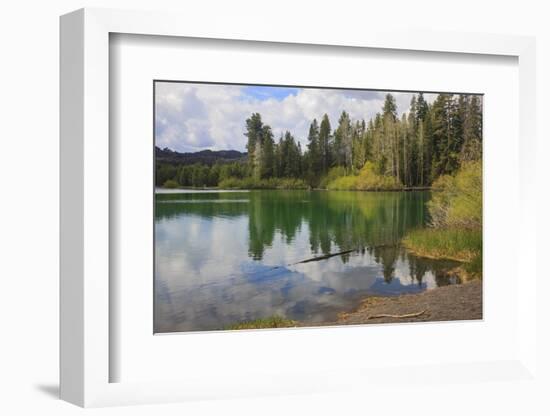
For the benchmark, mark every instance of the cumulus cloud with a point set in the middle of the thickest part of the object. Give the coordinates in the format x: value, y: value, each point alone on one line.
x: 193, y: 117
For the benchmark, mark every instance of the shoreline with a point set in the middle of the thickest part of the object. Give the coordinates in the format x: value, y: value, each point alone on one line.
x: 213, y: 189
x: 460, y: 302
x: 447, y: 303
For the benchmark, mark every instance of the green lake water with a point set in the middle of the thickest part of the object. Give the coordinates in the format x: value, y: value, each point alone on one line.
x: 223, y: 257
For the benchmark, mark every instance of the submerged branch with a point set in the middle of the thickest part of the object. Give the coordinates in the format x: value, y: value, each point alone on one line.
x: 326, y: 256
x: 340, y: 253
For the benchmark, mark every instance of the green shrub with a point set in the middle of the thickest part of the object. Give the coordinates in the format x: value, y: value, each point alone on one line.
x: 366, y: 180
x: 171, y: 184
x: 369, y: 180
x: 343, y: 183
x: 271, y: 183
x: 332, y: 174
x: 458, y: 200
x: 455, y: 231
x: 270, y: 322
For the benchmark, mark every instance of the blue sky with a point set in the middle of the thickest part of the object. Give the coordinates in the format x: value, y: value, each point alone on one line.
x: 264, y: 93
x: 192, y: 117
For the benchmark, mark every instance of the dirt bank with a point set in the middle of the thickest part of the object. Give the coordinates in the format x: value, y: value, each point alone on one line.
x: 447, y: 303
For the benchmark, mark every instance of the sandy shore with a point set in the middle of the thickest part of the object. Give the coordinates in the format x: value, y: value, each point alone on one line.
x: 447, y: 303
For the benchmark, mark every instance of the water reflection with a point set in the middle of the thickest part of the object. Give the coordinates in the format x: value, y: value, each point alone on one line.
x: 222, y: 258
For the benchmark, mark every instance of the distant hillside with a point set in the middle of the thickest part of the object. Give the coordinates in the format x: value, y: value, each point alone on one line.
x: 205, y: 157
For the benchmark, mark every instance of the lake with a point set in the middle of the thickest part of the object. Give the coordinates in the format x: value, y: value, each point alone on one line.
x: 223, y: 257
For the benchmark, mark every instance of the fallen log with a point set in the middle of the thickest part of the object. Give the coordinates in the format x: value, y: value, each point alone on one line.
x: 408, y: 315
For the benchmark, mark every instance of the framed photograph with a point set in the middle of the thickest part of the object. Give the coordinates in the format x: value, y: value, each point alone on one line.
x: 283, y: 218
x: 274, y: 214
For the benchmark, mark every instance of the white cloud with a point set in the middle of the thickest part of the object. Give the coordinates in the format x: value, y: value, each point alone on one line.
x: 192, y: 117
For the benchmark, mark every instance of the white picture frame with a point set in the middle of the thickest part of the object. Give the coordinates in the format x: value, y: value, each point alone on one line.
x: 85, y: 210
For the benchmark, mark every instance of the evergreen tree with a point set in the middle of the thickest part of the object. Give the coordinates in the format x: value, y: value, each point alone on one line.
x: 324, y: 144
x: 314, y: 158
x: 267, y: 153
x: 254, y: 130
x: 359, y: 152
x: 390, y: 140
x: 441, y: 124
x: 415, y: 149
x: 343, y: 142
x: 390, y: 107
x: 472, y: 146
x: 279, y: 166
x: 421, y: 107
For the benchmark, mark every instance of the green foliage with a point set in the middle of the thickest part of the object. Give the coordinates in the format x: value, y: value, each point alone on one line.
x: 456, y: 220
x: 254, y: 130
x: 458, y: 199
x: 343, y: 183
x: 289, y: 161
x: 343, y: 149
x: 170, y: 184
x: 313, y: 157
x: 270, y: 322
x: 163, y: 173
x: 332, y: 174
x: 267, y: 162
x: 367, y: 180
x: 475, y: 267
x: 445, y: 243
x: 271, y: 183
x: 324, y: 144
x: 389, y: 152
x: 198, y: 175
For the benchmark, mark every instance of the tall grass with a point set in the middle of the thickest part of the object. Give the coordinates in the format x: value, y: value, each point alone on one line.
x: 269, y: 322
x: 445, y: 243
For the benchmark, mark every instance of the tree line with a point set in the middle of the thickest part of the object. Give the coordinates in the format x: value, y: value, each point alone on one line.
x: 414, y: 149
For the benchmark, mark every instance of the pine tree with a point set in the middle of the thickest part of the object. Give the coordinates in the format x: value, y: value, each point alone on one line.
x: 267, y: 153
x: 314, y: 159
x: 413, y: 155
x: 423, y: 140
x: 429, y: 141
x: 390, y: 149
x: 324, y: 144
x: 472, y: 146
x: 404, y: 134
x: 343, y: 142
x: 421, y: 107
x: 359, y: 145
x: 279, y: 166
x: 441, y: 134
x: 254, y: 130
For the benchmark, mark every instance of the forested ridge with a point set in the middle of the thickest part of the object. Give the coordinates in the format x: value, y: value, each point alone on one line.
x: 388, y: 151
x: 205, y: 157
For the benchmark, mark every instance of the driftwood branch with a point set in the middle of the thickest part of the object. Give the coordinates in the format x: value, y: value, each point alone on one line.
x: 326, y: 256
x: 408, y: 315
